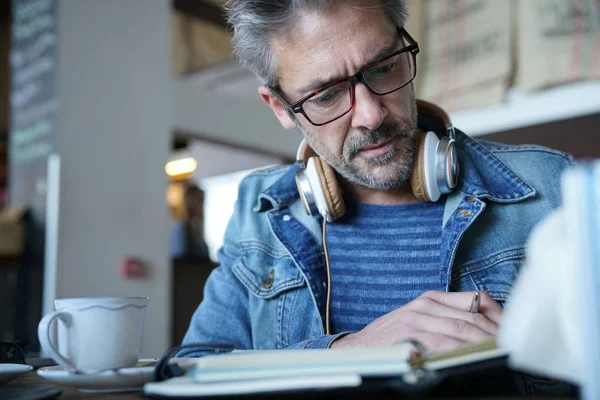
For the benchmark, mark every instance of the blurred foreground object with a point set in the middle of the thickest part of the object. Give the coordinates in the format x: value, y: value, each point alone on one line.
x: 552, y: 321
x: 539, y: 324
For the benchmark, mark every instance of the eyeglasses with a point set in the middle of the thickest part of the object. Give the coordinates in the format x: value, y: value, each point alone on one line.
x: 12, y: 353
x: 381, y: 77
x: 165, y: 370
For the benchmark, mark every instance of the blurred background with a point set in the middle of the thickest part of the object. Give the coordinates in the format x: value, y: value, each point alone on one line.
x: 126, y: 126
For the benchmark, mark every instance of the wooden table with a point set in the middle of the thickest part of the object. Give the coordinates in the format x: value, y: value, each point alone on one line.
x: 69, y: 393
x: 33, y: 380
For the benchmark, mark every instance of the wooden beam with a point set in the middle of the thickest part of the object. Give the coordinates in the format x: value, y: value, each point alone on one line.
x: 201, y: 10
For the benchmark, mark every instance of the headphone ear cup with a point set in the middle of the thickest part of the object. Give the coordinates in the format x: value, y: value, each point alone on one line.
x: 303, y: 199
x: 331, y: 189
x: 417, y: 177
x: 424, y: 176
x: 447, y: 168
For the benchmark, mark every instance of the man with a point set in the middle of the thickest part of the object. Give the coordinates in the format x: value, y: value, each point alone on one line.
x: 400, y: 268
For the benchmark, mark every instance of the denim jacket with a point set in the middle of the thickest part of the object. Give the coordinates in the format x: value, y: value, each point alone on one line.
x: 269, y: 291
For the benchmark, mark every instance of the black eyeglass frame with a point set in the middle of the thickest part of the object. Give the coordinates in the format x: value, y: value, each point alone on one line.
x: 297, y: 107
x: 164, y: 370
x: 12, y: 353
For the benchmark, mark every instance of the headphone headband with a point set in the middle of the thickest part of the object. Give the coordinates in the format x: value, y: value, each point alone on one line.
x: 438, y: 116
x: 435, y: 171
x: 304, y: 152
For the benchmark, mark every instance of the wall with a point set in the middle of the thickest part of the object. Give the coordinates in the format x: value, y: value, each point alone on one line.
x: 114, y: 127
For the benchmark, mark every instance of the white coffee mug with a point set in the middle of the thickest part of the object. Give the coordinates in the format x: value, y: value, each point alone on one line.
x: 95, y: 333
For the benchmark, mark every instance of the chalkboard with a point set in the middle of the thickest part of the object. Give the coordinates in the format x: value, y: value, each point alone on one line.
x: 34, y: 104
x: 32, y: 137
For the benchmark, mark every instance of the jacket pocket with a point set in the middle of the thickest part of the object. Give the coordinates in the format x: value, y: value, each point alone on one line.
x: 267, y: 275
x: 279, y: 303
x: 494, y: 274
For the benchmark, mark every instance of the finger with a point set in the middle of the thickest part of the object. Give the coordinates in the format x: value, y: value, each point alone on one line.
x: 452, y: 327
x: 458, y: 300
x: 436, y: 342
x: 426, y: 305
x: 462, y: 301
x: 490, y: 308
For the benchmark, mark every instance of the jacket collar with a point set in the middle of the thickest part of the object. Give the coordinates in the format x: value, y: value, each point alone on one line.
x: 281, y: 193
x: 482, y: 175
x: 485, y: 176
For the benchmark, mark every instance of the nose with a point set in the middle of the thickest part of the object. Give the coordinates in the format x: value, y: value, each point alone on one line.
x: 368, y: 111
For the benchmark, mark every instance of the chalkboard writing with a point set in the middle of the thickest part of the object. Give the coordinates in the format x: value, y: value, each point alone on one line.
x: 34, y: 104
x: 32, y: 137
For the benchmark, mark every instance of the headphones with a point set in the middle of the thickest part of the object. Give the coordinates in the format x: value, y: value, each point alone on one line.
x: 435, y: 170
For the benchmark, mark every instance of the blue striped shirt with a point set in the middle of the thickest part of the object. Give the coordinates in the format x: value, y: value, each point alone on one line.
x: 381, y: 258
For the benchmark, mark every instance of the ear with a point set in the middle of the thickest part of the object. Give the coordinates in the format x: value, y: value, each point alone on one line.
x: 276, y: 106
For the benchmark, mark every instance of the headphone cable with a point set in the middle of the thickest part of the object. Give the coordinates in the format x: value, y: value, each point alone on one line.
x: 328, y: 269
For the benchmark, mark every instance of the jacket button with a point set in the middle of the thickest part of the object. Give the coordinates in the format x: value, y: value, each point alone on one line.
x: 286, y: 217
x: 267, y: 283
x: 471, y: 199
x: 465, y: 213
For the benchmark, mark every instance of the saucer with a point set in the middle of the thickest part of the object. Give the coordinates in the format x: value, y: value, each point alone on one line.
x: 120, y: 380
x: 8, y: 372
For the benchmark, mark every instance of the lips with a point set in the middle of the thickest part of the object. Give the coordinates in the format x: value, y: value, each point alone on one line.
x: 376, y: 150
x: 376, y: 145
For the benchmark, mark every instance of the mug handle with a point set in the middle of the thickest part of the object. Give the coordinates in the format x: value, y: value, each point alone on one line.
x: 44, y: 336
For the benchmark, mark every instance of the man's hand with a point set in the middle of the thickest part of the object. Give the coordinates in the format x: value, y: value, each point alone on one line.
x: 438, y: 320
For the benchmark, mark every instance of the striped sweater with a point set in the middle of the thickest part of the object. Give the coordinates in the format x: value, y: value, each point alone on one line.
x: 381, y: 258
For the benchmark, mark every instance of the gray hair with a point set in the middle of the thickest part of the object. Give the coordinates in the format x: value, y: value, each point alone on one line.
x: 255, y: 22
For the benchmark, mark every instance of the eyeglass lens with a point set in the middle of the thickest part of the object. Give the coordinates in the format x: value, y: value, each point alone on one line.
x: 382, y: 78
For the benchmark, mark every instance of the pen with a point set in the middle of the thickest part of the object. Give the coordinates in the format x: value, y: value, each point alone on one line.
x: 475, y: 303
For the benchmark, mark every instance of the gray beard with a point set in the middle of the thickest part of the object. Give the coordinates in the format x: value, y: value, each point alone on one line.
x: 396, y: 173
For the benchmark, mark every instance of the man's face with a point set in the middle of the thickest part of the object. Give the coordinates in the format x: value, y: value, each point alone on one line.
x: 374, y: 144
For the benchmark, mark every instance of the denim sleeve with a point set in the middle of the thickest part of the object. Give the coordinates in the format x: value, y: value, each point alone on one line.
x: 222, y: 317
x: 321, y: 342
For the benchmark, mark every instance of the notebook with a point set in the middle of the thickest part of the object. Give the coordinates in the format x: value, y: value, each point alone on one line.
x: 581, y: 202
x: 272, y: 371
